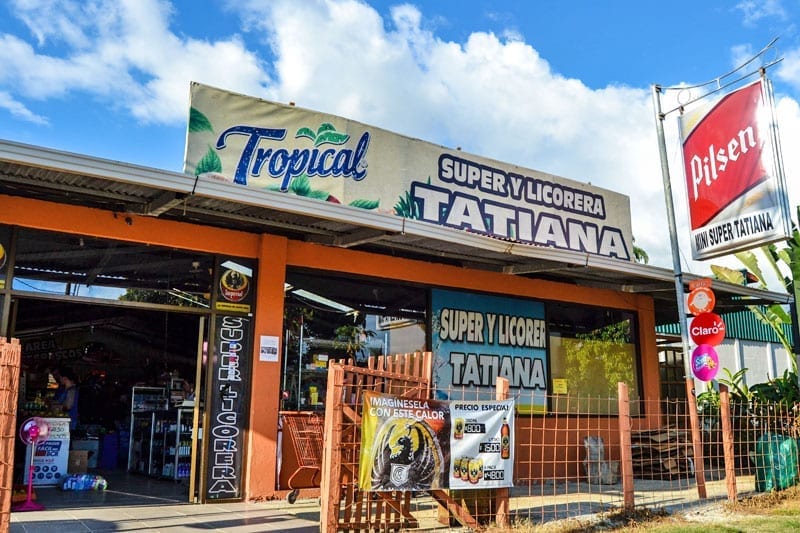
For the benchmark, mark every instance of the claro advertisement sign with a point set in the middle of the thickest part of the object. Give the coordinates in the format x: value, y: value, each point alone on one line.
x: 734, y: 181
x: 268, y: 146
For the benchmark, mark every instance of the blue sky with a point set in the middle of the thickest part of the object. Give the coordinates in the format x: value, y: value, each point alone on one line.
x: 560, y: 87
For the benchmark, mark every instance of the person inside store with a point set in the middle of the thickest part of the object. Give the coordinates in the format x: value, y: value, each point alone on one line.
x: 69, y: 405
x: 58, y: 396
x: 188, y: 390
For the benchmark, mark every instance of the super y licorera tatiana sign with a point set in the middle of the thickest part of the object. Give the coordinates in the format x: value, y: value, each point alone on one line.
x: 259, y: 144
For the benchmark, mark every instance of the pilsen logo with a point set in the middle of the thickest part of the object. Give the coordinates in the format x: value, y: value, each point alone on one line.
x: 722, y: 155
x: 285, y: 165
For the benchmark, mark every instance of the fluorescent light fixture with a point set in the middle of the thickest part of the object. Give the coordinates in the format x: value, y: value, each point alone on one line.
x: 241, y: 269
x: 302, y: 293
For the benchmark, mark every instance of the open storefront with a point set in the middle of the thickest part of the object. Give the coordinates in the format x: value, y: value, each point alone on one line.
x: 251, y: 292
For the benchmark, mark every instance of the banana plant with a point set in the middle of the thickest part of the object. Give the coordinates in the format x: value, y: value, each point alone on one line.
x: 775, y: 315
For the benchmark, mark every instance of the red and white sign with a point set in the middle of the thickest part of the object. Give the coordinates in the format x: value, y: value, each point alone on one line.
x: 736, y: 197
x: 707, y: 328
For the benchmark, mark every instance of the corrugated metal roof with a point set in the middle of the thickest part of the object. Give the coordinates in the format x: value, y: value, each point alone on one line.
x: 743, y: 325
x: 62, y: 177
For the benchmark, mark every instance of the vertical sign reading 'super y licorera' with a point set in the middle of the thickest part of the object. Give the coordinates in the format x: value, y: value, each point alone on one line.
x: 229, y: 379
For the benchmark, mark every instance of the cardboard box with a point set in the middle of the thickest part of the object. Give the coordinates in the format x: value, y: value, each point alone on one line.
x: 91, y: 445
x: 78, y: 461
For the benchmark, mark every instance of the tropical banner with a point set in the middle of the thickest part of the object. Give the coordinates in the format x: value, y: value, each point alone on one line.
x: 477, y: 338
x: 415, y: 445
x: 251, y: 142
x: 734, y: 180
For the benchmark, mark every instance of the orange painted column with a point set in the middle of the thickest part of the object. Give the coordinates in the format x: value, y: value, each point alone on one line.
x: 265, y: 383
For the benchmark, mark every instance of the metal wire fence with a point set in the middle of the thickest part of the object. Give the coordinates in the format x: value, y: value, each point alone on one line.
x: 583, y: 456
x: 573, y: 462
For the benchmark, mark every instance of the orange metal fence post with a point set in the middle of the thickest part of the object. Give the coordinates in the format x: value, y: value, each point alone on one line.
x: 501, y: 495
x: 727, y: 442
x: 625, y: 451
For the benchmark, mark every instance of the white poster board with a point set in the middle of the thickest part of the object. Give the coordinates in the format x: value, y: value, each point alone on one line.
x: 51, y: 459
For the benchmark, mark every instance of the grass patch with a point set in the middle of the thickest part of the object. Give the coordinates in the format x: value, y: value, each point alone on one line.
x: 762, y: 513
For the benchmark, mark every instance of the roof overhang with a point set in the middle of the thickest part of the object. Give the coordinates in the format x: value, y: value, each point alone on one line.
x: 62, y: 177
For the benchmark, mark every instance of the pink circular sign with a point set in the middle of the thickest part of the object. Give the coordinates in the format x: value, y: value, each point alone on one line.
x: 705, y: 362
x: 707, y: 328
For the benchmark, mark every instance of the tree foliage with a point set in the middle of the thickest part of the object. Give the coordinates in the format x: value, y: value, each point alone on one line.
x: 597, y: 361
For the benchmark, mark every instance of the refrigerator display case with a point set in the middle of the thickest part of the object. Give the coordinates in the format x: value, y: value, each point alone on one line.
x: 172, y: 438
x: 145, y: 401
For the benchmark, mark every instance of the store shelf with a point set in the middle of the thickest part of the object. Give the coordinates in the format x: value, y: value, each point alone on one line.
x: 174, y: 435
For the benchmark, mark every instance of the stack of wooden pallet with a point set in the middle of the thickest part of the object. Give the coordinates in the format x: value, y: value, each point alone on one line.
x: 664, y: 453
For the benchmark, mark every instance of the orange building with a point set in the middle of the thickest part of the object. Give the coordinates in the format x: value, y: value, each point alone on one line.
x: 135, y: 277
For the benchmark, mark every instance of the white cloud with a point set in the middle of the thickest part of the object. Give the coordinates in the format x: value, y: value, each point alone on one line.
x: 754, y: 11
x: 123, y: 53
x: 491, y: 96
x: 19, y: 110
x: 789, y: 69
x: 65, y: 20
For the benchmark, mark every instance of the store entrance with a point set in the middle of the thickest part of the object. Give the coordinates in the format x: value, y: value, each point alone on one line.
x: 110, y: 317
x: 135, y: 370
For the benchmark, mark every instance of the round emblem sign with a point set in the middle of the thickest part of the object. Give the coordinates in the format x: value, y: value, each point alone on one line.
x: 234, y: 285
x: 701, y: 300
x: 705, y: 362
x: 707, y: 328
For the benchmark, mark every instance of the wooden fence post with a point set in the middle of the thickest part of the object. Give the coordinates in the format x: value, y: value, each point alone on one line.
x: 697, y: 440
x: 727, y: 442
x: 330, y: 486
x: 501, y: 502
x: 10, y: 353
x: 625, y: 451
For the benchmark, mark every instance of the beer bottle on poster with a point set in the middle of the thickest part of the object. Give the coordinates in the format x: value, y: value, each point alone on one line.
x: 505, y: 440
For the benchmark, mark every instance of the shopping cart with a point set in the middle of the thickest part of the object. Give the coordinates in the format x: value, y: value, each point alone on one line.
x: 304, y: 431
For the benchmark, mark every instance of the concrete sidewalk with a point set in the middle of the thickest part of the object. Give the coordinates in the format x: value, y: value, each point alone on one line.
x: 68, y: 512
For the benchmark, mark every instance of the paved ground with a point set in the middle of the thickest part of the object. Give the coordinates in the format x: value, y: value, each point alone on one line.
x: 153, y: 506
x: 138, y: 503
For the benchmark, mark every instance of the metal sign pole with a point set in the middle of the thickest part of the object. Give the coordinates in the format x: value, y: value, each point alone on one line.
x: 676, y: 266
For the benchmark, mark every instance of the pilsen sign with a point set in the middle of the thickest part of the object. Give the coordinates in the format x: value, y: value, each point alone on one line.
x: 734, y: 181
x: 259, y: 144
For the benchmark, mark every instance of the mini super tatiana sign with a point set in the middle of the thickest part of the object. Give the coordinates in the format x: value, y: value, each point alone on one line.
x: 734, y: 180
x: 255, y: 143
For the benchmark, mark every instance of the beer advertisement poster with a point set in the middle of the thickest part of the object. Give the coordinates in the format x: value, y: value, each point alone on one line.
x: 404, y: 443
x: 482, y: 445
x: 412, y: 444
x: 734, y: 179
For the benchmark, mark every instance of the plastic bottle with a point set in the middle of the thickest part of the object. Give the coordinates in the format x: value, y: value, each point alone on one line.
x: 505, y: 440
